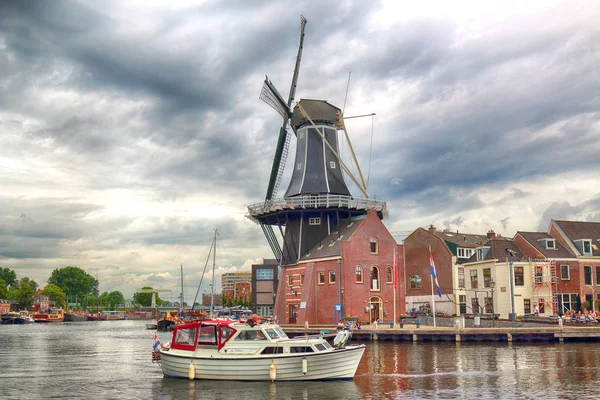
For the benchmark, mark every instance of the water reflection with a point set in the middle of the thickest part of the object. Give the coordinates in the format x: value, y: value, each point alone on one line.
x: 112, y: 360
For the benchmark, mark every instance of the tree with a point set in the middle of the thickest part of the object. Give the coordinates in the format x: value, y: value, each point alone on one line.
x: 8, y: 276
x: 3, y: 289
x: 54, y: 293
x: 115, y: 298
x: 145, y: 299
x: 23, y: 292
x: 74, y: 281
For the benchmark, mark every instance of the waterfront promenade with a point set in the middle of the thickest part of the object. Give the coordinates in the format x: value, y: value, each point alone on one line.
x: 424, y: 333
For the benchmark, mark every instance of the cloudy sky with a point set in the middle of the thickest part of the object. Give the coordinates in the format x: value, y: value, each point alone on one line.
x: 130, y: 130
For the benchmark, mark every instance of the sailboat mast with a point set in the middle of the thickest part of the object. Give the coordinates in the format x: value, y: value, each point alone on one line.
x: 212, y: 287
x: 182, y: 309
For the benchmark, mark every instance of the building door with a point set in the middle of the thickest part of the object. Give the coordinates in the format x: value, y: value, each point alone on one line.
x: 292, y: 313
x: 376, y: 309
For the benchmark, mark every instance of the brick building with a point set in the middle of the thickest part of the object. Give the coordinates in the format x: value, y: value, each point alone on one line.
x: 236, y: 285
x: 349, y: 273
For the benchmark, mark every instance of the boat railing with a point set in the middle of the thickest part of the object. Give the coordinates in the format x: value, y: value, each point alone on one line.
x: 314, y: 202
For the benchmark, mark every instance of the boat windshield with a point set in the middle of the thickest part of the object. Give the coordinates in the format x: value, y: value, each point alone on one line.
x: 185, y: 336
x: 255, y: 334
x: 281, y: 333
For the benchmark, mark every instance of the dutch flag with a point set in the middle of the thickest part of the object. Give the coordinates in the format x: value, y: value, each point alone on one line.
x: 156, y: 341
x: 433, y: 273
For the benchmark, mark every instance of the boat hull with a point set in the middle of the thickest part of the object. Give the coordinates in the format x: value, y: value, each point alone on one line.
x: 333, y: 365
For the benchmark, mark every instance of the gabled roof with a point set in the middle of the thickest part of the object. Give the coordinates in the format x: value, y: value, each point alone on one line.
x: 330, y: 246
x: 497, y: 250
x: 463, y: 239
x: 534, y: 239
x: 575, y: 230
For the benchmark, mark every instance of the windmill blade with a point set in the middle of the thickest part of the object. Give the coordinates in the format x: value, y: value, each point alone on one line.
x: 271, y: 96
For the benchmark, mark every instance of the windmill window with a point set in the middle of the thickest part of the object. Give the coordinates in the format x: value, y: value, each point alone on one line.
x: 321, y: 278
x: 301, y: 135
x: 373, y: 245
x: 299, y: 166
x: 332, y: 164
x: 359, y: 274
x: 314, y: 221
x: 331, y: 277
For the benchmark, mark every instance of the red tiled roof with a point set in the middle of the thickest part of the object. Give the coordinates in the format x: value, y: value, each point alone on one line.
x: 533, y: 238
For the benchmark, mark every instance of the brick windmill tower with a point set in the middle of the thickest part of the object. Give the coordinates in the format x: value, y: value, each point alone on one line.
x: 317, y: 201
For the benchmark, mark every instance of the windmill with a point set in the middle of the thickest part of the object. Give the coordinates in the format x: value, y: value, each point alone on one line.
x: 317, y: 199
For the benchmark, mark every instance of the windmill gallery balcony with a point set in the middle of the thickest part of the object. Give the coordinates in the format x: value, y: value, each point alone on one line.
x: 302, y: 203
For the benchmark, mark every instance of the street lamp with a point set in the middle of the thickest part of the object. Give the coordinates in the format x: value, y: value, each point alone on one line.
x: 492, y: 285
x: 342, y: 304
x: 509, y: 254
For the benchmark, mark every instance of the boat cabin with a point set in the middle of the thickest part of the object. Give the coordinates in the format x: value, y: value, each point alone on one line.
x: 231, y: 337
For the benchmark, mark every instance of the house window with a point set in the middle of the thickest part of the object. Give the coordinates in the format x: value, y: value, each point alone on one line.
x: 461, y: 278
x: 473, y: 279
x: 358, y: 274
x: 302, y: 280
x: 550, y: 244
x: 373, y: 245
x: 462, y: 300
x: 527, y: 306
x: 290, y: 280
x: 475, y: 305
x: 539, y: 274
x: 597, y: 275
x: 587, y: 247
x: 374, y: 278
x: 519, y: 276
x: 564, y: 272
x: 487, y: 277
x: 587, y: 275
x: 480, y: 254
x: 390, y: 276
x: 314, y: 221
x: 332, y: 164
x: 263, y: 274
x: 464, y: 253
x: 331, y: 277
x: 415, y: 282
x: 321, y: 278
x: 488, y: 305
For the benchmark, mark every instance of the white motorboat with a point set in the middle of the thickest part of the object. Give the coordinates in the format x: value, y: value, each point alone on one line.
x: 230, y: 350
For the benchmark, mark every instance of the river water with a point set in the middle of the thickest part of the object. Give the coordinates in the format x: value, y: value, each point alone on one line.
x: 112, y: 359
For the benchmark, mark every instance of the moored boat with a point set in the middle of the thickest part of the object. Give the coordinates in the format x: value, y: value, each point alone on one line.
x: 229, y: 350
x: 96, y: 317
x: 71, y: 316
x: 25, y: 318
x: 54, y: 315
x: 9, y: 318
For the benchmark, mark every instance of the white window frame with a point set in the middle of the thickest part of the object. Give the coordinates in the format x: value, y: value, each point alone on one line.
x: 548, y: 242
x: 314, y: 221
x: 568, y: 278
x: 332, y: 164
x: 332, y: 273
x: 299, y: 166
x: 319, y: 275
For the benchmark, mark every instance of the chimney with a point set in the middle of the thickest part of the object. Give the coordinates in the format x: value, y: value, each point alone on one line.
x: 432, y: 229
x: 491, y: 234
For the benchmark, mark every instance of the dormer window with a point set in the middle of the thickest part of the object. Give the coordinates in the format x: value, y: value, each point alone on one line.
x: 482, y: 252
x: 550, y: 244
x: 585, y: 246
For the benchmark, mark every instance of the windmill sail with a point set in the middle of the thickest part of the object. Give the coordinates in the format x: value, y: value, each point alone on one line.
x: 271, y: 96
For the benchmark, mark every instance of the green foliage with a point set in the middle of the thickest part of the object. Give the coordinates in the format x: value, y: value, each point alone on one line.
x: 114, y: 298
x: 74, y: 281
x: 585, y: 305
x: 22, y: 292
x: 55, y: 294
x: 145, y: 299
x: 8, y: 276
x: 3, y: 289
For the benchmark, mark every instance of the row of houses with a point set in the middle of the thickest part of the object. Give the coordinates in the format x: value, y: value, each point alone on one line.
x: 552, y: 272
x: 360, y: 271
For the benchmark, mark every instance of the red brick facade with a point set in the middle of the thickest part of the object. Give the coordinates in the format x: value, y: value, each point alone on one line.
x: 310, y: 290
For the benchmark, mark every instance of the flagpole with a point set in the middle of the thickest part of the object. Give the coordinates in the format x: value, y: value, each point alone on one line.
x: 431, y: 277
x: 395, y: 284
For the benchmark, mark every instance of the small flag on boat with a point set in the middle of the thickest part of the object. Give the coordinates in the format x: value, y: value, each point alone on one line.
x: 156, y: 341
